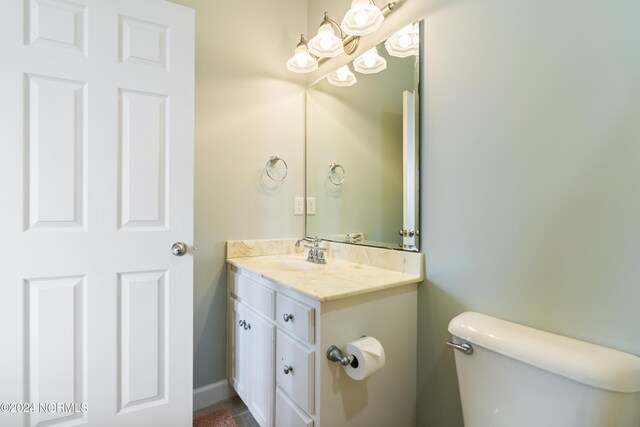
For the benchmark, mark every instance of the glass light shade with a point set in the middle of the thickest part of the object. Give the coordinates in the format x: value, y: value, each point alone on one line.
x: 370, y: 62
x: 326, y: 44
x: 302, y: 61
x: 363, y: 18
x: 405, y: 42
x: 342, y: 77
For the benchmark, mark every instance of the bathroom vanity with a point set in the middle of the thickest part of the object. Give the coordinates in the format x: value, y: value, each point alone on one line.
x: 284, y: 313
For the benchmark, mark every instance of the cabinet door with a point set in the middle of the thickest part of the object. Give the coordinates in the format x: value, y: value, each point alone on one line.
x: 239, y: 350
x: 261, y: 400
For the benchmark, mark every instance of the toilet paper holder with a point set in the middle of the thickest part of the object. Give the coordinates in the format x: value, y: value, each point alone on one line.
x: 335, y: 355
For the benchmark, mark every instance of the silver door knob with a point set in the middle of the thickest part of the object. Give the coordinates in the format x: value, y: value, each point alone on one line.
x: 287, y: 369
x: 179, y: 249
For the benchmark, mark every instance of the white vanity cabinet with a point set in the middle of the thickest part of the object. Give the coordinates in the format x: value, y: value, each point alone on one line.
x: 279, y: 368
x: 251, y: 333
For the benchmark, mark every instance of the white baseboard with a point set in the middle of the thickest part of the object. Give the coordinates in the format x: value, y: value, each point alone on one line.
x: 211, y: 394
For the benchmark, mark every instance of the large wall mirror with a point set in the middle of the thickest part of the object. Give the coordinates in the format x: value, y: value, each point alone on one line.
x: 362, y: 141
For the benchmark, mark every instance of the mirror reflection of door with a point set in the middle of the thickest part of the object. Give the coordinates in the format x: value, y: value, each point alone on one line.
x: 410, y: 145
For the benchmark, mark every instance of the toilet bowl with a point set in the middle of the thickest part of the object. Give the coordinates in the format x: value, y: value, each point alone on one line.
x: 517, y: 376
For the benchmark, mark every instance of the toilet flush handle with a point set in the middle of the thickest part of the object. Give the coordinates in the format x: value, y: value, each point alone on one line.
x: 465, y: 348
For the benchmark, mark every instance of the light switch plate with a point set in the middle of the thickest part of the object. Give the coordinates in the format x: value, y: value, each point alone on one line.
x: 298, y: 206
x: 311, y: 205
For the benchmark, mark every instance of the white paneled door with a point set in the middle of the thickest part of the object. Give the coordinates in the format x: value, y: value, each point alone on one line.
x: 96, y: 185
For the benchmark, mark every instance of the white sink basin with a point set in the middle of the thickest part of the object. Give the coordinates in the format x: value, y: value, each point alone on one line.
x: 293, y: 264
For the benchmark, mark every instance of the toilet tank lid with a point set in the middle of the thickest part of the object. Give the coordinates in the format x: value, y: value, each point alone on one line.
x: 590, y: 364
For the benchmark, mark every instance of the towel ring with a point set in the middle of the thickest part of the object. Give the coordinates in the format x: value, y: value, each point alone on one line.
x: 271, y: 163
x: 333, y: 174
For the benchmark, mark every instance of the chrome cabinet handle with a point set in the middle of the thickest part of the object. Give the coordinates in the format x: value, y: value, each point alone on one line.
x: 286, y: 317
x: 244, y: 324
x: 179, y: 249
x: 287, y: 369
x: 465, y: 348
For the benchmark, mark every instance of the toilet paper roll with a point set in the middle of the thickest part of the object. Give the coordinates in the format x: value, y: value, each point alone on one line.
x: 369, y: 354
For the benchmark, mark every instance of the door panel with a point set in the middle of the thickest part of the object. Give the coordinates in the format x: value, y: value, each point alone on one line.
x: 55, y: 142
x: 143, y: 159
x: 57, y: 344
x: 142, y: 336
x: 56, y: 24
x: 143, y: 42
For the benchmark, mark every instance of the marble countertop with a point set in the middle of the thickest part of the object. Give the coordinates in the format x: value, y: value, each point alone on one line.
x: 336, y: 279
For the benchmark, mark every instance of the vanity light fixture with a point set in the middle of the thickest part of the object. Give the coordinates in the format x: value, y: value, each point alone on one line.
x: 370, y: 62
x: 405, y: 42
x: 342, y: 77
x: 364, y: 17
x: 302, y: 61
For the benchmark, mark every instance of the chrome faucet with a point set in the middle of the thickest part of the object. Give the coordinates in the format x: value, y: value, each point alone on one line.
x: 316, y: 253
x: 354, y: 238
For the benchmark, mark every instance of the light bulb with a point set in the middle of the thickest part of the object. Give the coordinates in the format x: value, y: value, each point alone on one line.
x: 404, y: 40
x: 301, y: 60
x: 361, y: 17
x: 342, y: 77
x: 342, y: 73
x: 369, y: 61
x: 404, y: 43
x: 325, y: 42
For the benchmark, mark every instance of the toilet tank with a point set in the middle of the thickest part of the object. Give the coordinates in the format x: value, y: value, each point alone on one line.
x: 523, y: 377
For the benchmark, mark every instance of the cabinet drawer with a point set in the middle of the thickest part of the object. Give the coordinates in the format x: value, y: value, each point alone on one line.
x: 288, y: 414
x: 298, y: 382
x: 253, y: 294
x: 296, y: 317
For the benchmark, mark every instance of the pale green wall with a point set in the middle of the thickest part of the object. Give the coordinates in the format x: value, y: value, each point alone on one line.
x: 531, y: 183
x: 248, y: 107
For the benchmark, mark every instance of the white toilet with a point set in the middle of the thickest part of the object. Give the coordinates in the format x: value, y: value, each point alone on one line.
x: 518, y: 376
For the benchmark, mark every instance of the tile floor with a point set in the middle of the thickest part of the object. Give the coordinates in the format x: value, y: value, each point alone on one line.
x: 236, y: 408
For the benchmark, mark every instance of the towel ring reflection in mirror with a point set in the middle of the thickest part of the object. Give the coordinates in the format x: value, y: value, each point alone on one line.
x: 270, y: 167
x: 336, y: 176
